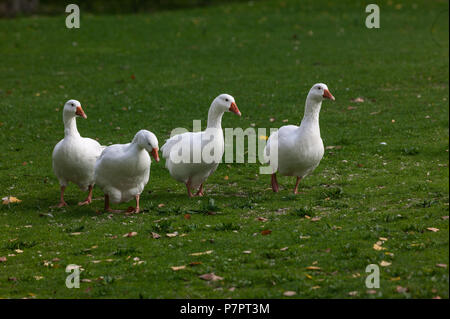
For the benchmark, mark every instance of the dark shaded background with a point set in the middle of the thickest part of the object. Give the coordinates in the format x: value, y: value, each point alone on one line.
x: 14, y: 8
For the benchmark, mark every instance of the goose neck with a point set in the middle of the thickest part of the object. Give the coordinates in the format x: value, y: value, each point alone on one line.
x: 312, y: 110
x: 70, y: 126
x: 214, y: 117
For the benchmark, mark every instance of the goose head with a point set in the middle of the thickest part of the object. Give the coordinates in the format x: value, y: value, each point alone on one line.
x: 148, y: 141
x: 226, y: 103
x: 73, y: 108
x: 319, y: 91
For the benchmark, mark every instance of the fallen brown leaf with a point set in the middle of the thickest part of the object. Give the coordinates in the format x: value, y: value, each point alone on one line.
x: 155, y: 235
x: 174, y: 234
x: 437, y: 265
x: 176, y: 268
x: 210, y: 277
x: 289, y: 293
x: 130, y: 234
x: 195, y: 263
x: 401, y: 289
x: 313, y: 268
x: 202, y: 253
x: 433, y: 229
x: 266, y: 232
x: 9, y: 200
x: 358, y: 100
x: 377, y: 247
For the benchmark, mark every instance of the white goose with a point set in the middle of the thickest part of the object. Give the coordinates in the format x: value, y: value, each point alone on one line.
x: 74, y: 156
x: 300, y: 148
x: 201, y: 152
x: 123, y: 170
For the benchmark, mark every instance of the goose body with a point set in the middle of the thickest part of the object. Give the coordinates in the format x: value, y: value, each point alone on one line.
x: 123, y: 170
x: 192, y: 157
x: 74, y: 156
x: 298, y: 150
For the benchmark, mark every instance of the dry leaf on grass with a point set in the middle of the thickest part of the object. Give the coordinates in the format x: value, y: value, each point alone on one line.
x: 175, y: 268
x: 384, y: 263
x: 437, y: 265
x: 247, y: 252
x: 262, y: 219
x: 170, y: 235
x: 210, y: 277
x: 284, y: 248
x: 75, y: 234
x: 330, y: 147
x: 313, y: 268
x: 401, y: 289
x: 155, y: 235
x: 187, y: 216
x: 377, y: 247
x: 316, y: 219
x: 289, y: 293
x: 10, y: 199
x: 433, y: 229
x: 266, y: 232
x: 353, y: 293
x: 358, y: 100
x: 161, y: 205
x: 195, y: 263
x: 202, y: 253
x: 3, y: 259
x: 130, y: 234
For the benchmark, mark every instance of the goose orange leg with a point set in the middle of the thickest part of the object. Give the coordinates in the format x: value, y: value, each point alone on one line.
x: 107, y: 208
x: 188, y: 186
x: 137, y: 209
x: 88, y: 199
x: 200, y: 191
x: 274, y: 183
x: 62, y: 203
x: 296, y: 185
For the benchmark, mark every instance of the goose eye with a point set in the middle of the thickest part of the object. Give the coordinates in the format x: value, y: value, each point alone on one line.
x: 226, y: 100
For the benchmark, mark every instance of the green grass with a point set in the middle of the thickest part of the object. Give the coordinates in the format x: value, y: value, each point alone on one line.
x: 267, y: 55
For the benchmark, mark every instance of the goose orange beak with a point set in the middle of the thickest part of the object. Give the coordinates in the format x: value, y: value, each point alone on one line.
x: 155, y: 154
x: 234, y: 109
x: 80, y: 112
x: 328, y: 95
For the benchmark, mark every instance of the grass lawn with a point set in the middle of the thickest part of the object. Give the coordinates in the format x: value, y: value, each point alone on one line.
x: 161, y: 71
